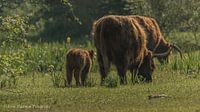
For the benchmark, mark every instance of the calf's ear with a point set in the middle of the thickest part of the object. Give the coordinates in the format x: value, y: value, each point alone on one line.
x: 91, y: 52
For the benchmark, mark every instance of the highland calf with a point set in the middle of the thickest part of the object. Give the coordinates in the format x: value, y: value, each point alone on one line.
x: 121, y: 41
x: 79, y: 63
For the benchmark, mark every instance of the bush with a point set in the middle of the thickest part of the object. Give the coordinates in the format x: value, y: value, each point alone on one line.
x: 14, y: 30
x: 12, y: 65
x: 57, y: 78
x: 40, y: 57
x: 111, y: 82
x: 90, y: 82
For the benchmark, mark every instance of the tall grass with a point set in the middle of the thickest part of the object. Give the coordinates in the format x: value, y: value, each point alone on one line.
x: 24, y: 60
x: 37, y: 73
x: 33, y: 58
x: 39, y: 57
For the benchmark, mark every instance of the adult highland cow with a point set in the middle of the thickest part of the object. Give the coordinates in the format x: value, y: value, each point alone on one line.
x: 155, y: 40
x: 121, y: 41
x: 79, y: 62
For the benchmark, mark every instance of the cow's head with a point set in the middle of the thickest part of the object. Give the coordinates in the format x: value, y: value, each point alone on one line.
x: 147, y: 66
x: 166, y: 48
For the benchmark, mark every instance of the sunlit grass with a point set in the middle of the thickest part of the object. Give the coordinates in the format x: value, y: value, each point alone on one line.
x: 181, y: 87
x: 41, y: 87
x: 183, y: 92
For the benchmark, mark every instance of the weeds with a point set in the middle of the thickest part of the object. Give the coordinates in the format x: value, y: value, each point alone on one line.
x: 111, y: 81
x: 39, y: 57
x: 90, y: 82
x: 57, y: 78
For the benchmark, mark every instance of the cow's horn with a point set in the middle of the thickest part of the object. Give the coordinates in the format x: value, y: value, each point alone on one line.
x: 162, y: 54
x: 177, y: 48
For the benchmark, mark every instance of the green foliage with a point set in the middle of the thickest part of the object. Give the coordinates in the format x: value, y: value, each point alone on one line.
x: 44, y: 66
x: 57, y: 78
x: 23, y: 64
x: 175, y: 15
x: 36, y: 58
x: 13, y: 30
x: 90, y: 81
x: 12, y: 65
x: 56, y: 19
x: 111, y: 81
x: 138, y: 7
x: 183, y: 92
x: 41, y: 56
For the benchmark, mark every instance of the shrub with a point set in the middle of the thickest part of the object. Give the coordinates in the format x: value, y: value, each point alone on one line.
x: 12, y: 65
x: 90, y: 82
x: 111, y: 82
x: 57, y: 78
x: 14, y: 30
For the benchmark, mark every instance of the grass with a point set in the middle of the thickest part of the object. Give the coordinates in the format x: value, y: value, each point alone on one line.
x: 183, y: 91
x: 40, y: 90
x: 181, y: 87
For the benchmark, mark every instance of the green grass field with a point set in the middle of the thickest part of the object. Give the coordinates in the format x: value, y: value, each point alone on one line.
x: 32, y: 79
x: 180, y: 84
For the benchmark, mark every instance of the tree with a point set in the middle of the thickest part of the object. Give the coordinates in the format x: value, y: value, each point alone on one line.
x: 175, y: 15
x: 137, y: 7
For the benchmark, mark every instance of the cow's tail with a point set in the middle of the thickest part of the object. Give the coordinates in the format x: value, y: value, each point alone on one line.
x: 104, y: 49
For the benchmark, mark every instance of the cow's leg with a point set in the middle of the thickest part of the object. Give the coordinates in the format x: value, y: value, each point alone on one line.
x: 132, y: 75
x: 84, y: 74
x: 69, y: 75
x: 103, y: 69
x: 121, y: 69
x: 77, y: 76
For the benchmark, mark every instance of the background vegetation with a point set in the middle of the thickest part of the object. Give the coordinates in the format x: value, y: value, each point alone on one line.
x: 33, y: 45
x: 53, y: 20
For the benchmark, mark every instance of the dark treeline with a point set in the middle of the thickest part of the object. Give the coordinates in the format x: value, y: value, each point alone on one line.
x: 54, y: 20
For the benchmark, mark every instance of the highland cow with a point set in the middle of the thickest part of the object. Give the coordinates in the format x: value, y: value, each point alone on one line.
x: 79, y: 63
x: 155, y: 40
x: 121, y: 41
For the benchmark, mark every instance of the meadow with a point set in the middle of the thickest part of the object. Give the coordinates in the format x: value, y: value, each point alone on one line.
x: 33, y: 78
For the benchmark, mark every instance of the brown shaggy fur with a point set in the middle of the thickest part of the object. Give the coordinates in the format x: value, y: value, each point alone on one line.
x: 156, y: 41
x: 121, y: 41
x: 79, y: 61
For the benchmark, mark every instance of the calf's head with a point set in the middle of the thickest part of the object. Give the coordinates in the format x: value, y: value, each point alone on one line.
x: 91, y: 53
